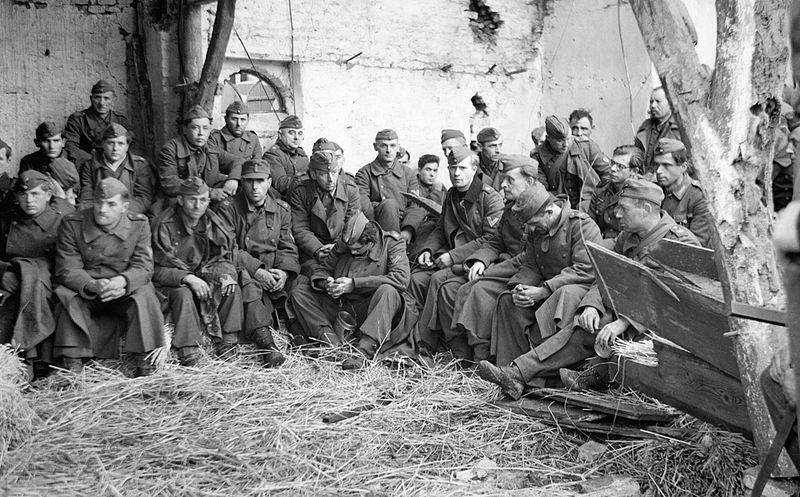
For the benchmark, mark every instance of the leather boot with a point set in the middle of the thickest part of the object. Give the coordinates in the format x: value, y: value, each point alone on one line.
x: 73, y: 364
x: 226, y: 347
x: 508, y: 377
x: 587, y: 379
x: 367, y: 347
x: 143, y: 367
x: 189, y: 356
x: 271, y: 357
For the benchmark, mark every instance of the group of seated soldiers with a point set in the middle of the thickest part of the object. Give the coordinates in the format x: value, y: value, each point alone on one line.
x: 99, y: 247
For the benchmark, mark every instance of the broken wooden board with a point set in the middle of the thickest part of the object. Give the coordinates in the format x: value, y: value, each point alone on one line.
x: 675, y: 310
x: 619, y: 430
x: 616, y: 406
x: 427, y: 204
x: 689, y: 384
x: 685, y: 257
x: 543, y: 409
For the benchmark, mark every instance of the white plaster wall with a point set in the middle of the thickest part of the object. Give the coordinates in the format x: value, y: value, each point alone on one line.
x: 397, y: 81
x: 51, y: 57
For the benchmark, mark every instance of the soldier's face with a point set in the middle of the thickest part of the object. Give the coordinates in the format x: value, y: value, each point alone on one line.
x: 581, y: 127
x: 257, y: 189
x: 339, y: 154
x: 51, y: 146
x: 543, y: 219
x: 667, y: 170
x: 659, y: 105
x: 102, y: 103
x: 492, y: 150
x: 559, y: 145
x: 108, y: 211
x: 32, y: 202
x: 196, y: 131
x: 326, y: 178
x: 387, y: 150
x: 237, y: 123
x: 620, y: 168
x: 631, y: 215
x: 292, y: 137
x: 449, y: 145
x: 114, y: 149
x: 461, y: 174
x: 194, y: 206
x: 428, y: 172
x: 513, y: 184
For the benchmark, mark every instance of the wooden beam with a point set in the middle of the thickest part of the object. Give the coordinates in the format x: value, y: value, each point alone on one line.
x: 545, y: 409
x: 215, y: 56
x: 615, y: 405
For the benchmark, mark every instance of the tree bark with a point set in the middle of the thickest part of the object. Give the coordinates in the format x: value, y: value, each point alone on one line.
x: 728, y: 122
x: 223, y: 25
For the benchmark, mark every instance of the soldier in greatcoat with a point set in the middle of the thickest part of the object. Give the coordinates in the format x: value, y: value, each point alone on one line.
x: 85, y: 127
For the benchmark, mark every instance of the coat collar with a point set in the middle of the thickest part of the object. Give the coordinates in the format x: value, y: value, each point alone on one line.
x: 473, y: 193
x: 183, y: 150
x: 46, y: 219
x: 91, y: 231
x: 291, y: 151
x: 228, y: 136
x: 269, y: 204
x: 378, y: 169
x: 683, y: 187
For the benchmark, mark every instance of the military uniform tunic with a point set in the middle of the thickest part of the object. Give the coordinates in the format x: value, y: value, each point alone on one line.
x: 85, y: 252
x: 380, y: 277
x: 264, y: 240
x: 647, y: 137
x: 382, y: 197
x: 287, y: 166
x: 602, y: 209
x: 62, y: 171
x: 688, y: 207
x: 576, y: 172
x: 312, y: 224
x: 247, y: 146
x: 205, y: 251
x: 177, y: 161
x: 84, y: 129
x: 28, y: 248
x: 135, y: 172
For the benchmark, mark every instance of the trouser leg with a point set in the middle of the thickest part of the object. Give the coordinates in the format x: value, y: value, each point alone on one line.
x: 387, y: 214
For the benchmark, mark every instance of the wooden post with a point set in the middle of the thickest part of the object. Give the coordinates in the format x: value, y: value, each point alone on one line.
x: 223, y: 25
x: 728, y: 122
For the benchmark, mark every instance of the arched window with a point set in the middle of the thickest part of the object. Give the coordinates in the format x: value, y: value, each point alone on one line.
x: 262, y: 95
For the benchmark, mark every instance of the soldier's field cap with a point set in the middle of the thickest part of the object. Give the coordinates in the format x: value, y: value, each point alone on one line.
x: 669, y: 146
x: 449, y: 134
x: 29, y: 180
x: 325, y: 144
x: 109, y: 187
x: 196, y: 112
x: 116, y: 130
x: 386, y: 134
x: 102, y: 86
x: 354, y: 228
x: 237, y: 107
x: 556, y: 127
x: 291, y: 122
x: 193, y: 185
x: 530, y: 201
x: 323, y: 160
x: 255, y: 169
x: 488, y: 135
x: 46, y: 130
x: 509, y: 162
x: 458, y: 154
x: 643, y: 190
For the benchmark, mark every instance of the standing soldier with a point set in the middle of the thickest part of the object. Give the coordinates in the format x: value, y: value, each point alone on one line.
x: 85, y: 127
x: 287, y: 160
x: 367, y: 278
x: 262, y: 227
x: 234, y: 137
x: 321, y: 206
x: 27, y: 253
x: 104, y: 263
x: 193, y: 252
x: 382, y: 183
x: 490, y: 145
x: 660, y: 124
x: 50, y: 161
x: 114, y: 160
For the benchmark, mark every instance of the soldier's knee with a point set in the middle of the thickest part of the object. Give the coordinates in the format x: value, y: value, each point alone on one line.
x: 386, y: 291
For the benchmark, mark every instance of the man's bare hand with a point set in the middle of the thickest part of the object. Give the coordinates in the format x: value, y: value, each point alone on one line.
x: 10, y: 283
x: 476, y: 270
x: 230, y: 187
x: 425, y: 259
x: 198, y: 286
x: 606, y: 336
x: 228, y: 284
x: 265, y: 277
x: 114, y: 289
x: 280, y: 277
x: 589, y: 319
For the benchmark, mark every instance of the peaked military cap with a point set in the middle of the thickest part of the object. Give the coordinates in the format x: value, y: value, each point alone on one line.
x: 237, y: 107
x: 116, y: 130
x: 195, y: 112
x: 386, y: 134
x: 556, y: 127
x: 531, y: 201
x: 193, y: 185
x: 255, y: 169
x: 458, y: 154
x: 323, y: 160
x: 669, y: 146
x: 291, y: 122
x: 354, y: 228
x: 488, y: 135
x: 102, y: 86
x: 109, y: 187
x: 449, y: 134
x: 46, y: 130
x: 29, y: 180
x: 643, y: 190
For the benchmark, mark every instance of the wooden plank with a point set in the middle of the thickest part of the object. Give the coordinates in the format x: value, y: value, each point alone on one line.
x: 757, y: 313
x: 616, y: 406
x: 547, y: 410
x: 689, y: 384
x: 616, y: 430
x: 685, y: 257
x: 695, y: 321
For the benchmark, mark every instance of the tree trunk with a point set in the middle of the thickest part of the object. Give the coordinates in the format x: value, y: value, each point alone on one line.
x: 728, y: 122
x: 223, y: 25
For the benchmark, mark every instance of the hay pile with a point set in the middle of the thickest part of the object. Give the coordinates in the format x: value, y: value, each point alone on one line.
x: 16, y: 416
x: 237, y: 429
